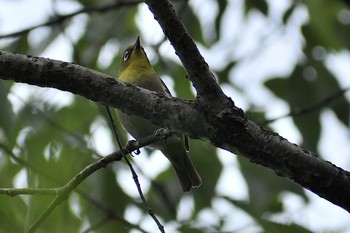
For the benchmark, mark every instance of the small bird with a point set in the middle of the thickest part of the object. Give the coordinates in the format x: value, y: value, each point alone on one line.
x: 136, y: 69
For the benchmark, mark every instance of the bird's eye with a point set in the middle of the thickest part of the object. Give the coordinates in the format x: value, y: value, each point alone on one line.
x: 126, y: 55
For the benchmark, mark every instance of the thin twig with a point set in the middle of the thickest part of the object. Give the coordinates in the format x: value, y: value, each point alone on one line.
x: 113, y: 127
x: 57, y: 19
x: 64, y: 191
x: 28, y: 191
x: 134, y: 175
x: 311, y: 107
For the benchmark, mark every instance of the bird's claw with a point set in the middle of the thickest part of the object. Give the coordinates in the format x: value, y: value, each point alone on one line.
x: 130, y: 145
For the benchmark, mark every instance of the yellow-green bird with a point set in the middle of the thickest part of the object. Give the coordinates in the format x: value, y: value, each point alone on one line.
x: 136, y: 69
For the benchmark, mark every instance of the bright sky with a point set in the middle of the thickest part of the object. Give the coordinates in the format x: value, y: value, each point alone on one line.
x: 249, y: 75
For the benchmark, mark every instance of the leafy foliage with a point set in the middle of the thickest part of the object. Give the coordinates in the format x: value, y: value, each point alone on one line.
x: 54, y: 141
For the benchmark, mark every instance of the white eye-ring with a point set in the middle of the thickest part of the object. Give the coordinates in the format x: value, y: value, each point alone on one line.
x: 126, y: 55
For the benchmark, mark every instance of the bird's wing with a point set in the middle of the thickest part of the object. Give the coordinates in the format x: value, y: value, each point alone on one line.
x: 186, y: 143
x: 185, y: 137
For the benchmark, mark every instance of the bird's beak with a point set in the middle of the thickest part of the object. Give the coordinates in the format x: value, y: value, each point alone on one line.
x: 137, y: 44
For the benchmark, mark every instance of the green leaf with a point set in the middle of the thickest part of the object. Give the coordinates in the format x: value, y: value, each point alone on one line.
x: 78, y: 116
x: 182, y: 84
x: 288, y: 13
x: 12, y: 214
x: 310, y: 83
x: 20, y: 45
x: 99, y: 30
x: 260, y: 5
x: 218, y: 21
x: 7, y: 116
x: 299, y: 92
x: 224, y: 75
x: 204, y: 157
x: 324, y: 27
x: 191, y: 21
x: 273, y: 227
x: 265, y: 188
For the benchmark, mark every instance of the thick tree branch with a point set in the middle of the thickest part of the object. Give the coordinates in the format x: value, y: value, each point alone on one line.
x: 85, y: 82
x: 228, y: 128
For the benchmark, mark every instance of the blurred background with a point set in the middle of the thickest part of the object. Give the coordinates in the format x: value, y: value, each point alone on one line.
x: 285, y: 63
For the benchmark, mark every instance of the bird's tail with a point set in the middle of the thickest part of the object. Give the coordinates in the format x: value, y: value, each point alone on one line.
x: 186, y: 173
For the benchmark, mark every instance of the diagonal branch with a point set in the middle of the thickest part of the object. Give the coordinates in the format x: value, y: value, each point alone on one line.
x: 197, y: 69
